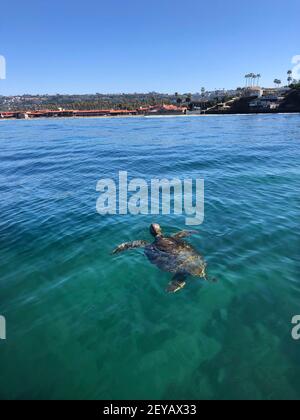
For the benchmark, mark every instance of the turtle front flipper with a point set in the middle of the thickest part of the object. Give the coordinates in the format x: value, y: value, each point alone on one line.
x: 130, y: 245
x: 185, y: 234
x: 177, y: 283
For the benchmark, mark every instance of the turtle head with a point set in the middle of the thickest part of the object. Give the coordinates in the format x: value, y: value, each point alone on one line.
x: 155, y: 230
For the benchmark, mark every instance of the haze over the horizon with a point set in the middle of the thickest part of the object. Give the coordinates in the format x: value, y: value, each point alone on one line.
x: 132, y: 46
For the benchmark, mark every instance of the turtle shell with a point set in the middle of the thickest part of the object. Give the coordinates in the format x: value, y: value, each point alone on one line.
x: 175, y: 256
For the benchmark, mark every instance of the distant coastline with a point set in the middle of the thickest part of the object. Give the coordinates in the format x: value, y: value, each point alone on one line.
x: 188, y: 115
x: 252, y: 100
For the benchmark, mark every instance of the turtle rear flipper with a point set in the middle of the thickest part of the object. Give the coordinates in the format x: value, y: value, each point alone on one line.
x: 210, y: 279
x: 177, y: 283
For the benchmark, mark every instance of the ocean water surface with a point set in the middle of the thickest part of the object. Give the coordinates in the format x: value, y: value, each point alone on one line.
x: 82, y: 323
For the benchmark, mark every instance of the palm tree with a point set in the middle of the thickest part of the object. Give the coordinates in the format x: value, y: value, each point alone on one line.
x: 290, y: 79
x: 258, y: 78
x: 248, y: 77
x: 277, y: 82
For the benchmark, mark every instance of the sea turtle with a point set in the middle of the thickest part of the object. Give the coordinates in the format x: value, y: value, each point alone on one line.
x: 171, y: 254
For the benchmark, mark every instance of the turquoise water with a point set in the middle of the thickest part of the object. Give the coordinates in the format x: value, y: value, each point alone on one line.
x: 84, y: 324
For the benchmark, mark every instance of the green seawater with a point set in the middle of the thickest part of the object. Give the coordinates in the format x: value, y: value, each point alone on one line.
x: 84, y: 324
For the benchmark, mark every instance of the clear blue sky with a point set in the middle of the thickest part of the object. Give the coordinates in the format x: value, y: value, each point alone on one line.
x: 140, y: 46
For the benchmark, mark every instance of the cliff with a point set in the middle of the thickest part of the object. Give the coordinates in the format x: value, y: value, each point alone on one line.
x: 291, y: 103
